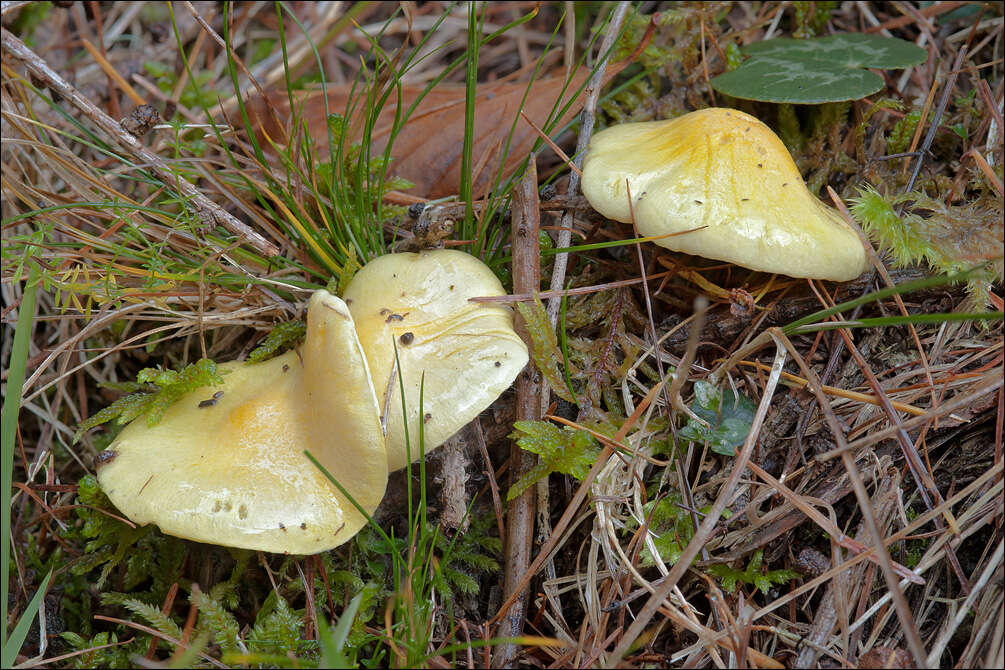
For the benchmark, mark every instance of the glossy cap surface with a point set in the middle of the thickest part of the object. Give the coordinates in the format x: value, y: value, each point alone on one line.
x: 728, y: 172
x: 468, y: 352
x: 233, y: 471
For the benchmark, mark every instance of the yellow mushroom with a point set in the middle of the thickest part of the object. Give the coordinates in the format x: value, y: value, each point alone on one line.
x: 233, y: 472
x: 468, y: 352
x: 724, y: 170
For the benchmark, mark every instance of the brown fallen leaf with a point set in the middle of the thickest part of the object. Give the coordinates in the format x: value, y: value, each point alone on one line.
x: 886, y: 657
x: 428, y: 149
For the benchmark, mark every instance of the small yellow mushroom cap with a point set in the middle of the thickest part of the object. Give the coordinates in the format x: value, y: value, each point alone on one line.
x: 468, y: 351
x: 233, y: 472
x: 727, y: 171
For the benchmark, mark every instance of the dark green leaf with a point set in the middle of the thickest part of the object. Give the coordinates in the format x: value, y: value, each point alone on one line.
x: 729, y: 417
x: 828, y: 69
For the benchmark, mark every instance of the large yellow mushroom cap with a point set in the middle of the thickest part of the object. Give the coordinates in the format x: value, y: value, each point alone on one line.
x: 233, y: 471
x: 727, y: 171
x: 468, y: 351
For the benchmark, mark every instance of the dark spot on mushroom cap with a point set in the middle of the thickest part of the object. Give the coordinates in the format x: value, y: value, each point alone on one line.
x: 760, y: 165
x: 282, y: 527
x: 209, y: 402
x: 105, y: 457
x: 285, y: 367
x: 498, y: 364
x: 394, y: 317
x: 406, y: 338
x: 303, y: 525
x: 785, y: 183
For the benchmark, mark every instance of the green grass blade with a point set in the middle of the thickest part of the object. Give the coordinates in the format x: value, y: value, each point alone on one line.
x: 332, y: 640
x: 470, y: 91
x: 8, y: 419
x: 906, y: 287
x: 563, y: 342
x: 898, y: 321
x: 341, y: 631
x: 13, y: 645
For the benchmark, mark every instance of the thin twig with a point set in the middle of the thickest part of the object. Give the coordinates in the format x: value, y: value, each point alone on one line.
x: 932, y: 129
x: 707, y: 527
x: 526, y: 222
x: 587, y: 118
x: 204, y: 208
x: 581, y: 290
x: 907, y: 624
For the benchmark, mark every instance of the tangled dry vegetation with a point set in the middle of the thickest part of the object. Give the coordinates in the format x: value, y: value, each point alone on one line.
x: 193, y: 227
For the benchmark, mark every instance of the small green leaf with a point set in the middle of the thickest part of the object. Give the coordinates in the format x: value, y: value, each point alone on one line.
x: 544, y: 346
x: 563, y: 450
x: 729, y: 417
x: 828, y: 69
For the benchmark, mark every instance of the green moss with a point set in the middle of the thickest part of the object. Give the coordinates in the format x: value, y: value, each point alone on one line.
x: 152, y: 393
x: 900, y: 137
x: 811, y: 17
x: 142, y: 555
x: 281, y: 337
x: 752, y: 575
x: 949, y: 238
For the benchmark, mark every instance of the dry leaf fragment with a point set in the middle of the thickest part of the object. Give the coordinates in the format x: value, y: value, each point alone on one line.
x: 885, y: 657
x: 428, y: 150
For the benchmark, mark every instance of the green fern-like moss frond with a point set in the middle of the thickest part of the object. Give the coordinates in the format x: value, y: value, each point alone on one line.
x: 752, y: 575
x: 949, y: 238
x: 153, y: 615
x: 214, y: 618
x: 167, y: 387
x: 897, y: 235
x: 282, y: 336
x: 278, y: 627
